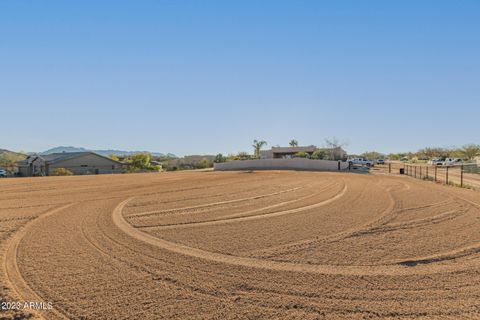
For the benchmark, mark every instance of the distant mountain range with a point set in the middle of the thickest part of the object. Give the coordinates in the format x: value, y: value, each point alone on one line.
x: 104, y: 152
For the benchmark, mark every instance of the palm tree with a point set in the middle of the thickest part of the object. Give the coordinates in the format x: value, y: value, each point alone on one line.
x: 293, y: 143
x: 257, y: 145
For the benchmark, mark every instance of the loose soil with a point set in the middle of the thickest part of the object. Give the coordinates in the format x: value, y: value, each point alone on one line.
x: 240, y: 245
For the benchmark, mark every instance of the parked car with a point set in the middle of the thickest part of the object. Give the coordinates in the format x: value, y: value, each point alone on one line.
x: 380, y: 161
x: 360, y: 161
x: 3, y: 173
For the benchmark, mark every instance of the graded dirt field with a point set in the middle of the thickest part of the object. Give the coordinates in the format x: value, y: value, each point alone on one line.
x: 240, y: 245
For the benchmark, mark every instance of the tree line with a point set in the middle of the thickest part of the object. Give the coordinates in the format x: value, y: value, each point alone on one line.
x: 466, y: 152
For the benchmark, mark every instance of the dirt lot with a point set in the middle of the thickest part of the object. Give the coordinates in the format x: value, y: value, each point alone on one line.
x: 240, y: 245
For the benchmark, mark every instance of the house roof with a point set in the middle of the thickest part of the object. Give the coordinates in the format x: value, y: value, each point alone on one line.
x: 293, y: 149
x: 55, y: 157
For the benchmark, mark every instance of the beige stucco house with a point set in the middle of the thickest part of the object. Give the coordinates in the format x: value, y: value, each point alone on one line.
x: 78, y: 163
x: 289, y: 152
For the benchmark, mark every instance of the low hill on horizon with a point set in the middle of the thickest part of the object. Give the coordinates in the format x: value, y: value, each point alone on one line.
x: 5, y: 151
x: 8, y: 159
x: 104, y: 152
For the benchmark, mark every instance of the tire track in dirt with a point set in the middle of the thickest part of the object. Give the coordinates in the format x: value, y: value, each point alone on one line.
x: 201, y: 196
x: 94, y: 240
x: 471, y: 202
x: 246, y: 216
x: 11, y: 269
x: 426, y: 206
x: 135, y: 264
x: 444, y: 256
x: 383, y: 225
x: 437, y: 218
x: 297, y: 246
x: 225, y: 219
x: 444, y: 216
x: 449, y: 255
x: 397, y: 269
x: 91, y: 266
x: 391, y: 213
x: 212, y: 204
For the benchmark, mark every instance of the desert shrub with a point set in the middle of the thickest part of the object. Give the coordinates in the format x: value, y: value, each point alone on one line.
x: 202, y: 164
x: 220, y: 158
x: 242, y: 156
x: 61, y: 172
x: 458, y: 185
x: 319, y: 154
x: 301, y: 154
x: 140, y: 160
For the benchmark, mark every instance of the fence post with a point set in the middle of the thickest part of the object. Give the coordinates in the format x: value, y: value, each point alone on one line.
x: 435, y: 173
x: 338, y: 165
x: 446, y: 177
x: 415, y: 171
x: 420, y: 172
x: 461, y: 176
x: 427, y: 172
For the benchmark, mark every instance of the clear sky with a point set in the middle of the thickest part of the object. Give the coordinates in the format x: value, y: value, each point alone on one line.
x: 192, y: 77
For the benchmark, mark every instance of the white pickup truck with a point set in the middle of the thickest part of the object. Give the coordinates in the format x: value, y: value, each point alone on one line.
x: 3, y: 173
x: 436, y: 162
x: 452, y: 162
x: 446, y: 162
x: 360, y: 161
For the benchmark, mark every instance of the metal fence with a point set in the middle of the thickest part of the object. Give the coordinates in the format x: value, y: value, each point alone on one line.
x: 465, y: 176
x: 389, y: 167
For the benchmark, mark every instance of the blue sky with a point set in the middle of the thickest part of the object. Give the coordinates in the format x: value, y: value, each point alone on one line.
x: 192, y: 77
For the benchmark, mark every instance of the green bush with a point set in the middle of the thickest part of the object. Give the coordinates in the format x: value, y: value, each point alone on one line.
x: 319, y: 155
x: 220, y: 158
x: 141, y: 162
x: 242, y: 156
x: 203, y: 164
x: 301, y: 154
